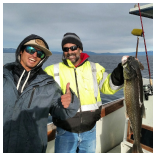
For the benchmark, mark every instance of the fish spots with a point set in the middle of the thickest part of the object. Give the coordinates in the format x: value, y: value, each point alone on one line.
x: 133, y: 98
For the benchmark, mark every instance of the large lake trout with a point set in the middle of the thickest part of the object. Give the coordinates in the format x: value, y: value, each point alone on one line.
x: 133, y: 92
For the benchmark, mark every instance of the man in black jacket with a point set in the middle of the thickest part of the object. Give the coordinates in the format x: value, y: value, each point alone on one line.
x: 29, y: 95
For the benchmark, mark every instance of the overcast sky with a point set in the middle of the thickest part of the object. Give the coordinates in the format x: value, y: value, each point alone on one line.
x: 102, y: 27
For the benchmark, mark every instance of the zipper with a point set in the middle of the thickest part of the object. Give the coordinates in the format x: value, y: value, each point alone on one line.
x: 31, y: 97
x: 78, y: 93
x: 76, y: 83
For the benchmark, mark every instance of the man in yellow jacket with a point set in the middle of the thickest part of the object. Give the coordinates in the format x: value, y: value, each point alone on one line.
x: 87, y: 79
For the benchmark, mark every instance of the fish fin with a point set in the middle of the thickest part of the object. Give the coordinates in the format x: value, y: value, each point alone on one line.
x: 131, y: 131
x: 141, y: 66
x: 134, y: 148
x: 126, y: 115
x: 143, y: 112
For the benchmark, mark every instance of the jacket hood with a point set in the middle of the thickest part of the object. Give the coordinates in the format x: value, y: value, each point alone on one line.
x: 28, y: 38
x: 23, y: 78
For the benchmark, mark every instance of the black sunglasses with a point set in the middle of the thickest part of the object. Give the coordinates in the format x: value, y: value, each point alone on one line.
x: 32, y: 50
x: 72, y: 48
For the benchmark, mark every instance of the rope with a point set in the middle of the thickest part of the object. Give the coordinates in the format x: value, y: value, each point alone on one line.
x: 144, y: 42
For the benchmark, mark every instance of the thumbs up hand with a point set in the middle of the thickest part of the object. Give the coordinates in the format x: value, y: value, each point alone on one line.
x: 68, y: 88
x: 66, y: 98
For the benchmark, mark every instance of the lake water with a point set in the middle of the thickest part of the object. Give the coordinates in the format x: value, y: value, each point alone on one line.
x: 108, y: 62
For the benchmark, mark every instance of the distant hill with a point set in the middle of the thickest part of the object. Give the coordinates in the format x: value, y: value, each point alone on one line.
x: 9, y: 50
x: 150, y: 53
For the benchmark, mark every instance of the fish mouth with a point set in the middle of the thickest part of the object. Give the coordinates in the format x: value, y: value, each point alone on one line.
x: 124, y: 64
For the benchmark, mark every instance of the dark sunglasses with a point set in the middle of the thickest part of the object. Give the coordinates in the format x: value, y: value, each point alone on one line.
x: 72, y: 48
x: 32, y: 50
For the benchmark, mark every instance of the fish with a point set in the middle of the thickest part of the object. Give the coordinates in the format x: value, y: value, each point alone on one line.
x: 133, y: 93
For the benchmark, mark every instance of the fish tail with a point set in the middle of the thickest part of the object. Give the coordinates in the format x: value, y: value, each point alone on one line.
x: 136, y: 148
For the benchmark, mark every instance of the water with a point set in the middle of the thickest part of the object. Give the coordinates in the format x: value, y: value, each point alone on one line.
x: 108, y: 62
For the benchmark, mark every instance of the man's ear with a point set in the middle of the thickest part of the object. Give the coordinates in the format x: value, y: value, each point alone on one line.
x: 80, y: 51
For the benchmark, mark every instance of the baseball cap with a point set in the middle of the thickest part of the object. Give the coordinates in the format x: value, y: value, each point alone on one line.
x: 39, y: 44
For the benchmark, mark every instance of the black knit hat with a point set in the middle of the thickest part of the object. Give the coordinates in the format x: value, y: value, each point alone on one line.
x: 72, y: 38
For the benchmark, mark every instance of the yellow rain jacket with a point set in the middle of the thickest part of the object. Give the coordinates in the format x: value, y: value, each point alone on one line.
x: 86, y: 80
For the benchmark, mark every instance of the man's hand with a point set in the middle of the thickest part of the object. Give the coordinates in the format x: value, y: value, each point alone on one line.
x: 124, y: 59
x: 66, y: 98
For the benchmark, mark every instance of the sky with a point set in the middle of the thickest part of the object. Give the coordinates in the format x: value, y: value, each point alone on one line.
x: 102, y: 27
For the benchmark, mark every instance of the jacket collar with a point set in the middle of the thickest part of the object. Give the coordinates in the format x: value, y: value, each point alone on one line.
x: 84, y: 58
x: 41, y: 78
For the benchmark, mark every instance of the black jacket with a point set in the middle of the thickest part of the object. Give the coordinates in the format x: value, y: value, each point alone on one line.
x: 25, y: 114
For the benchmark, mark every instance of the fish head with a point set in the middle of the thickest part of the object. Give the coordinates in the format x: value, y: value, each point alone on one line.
x: 129, y: 71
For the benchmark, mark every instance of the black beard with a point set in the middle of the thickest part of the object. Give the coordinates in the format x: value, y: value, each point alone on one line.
x: 77, y: 58
x: 70, y: 55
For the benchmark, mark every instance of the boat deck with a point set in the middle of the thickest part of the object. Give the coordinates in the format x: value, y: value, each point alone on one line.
x: 116, y: 149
